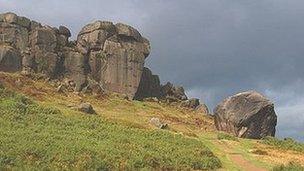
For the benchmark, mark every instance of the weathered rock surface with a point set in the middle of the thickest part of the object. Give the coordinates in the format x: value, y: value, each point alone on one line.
x: 116, y: 55
x: 173, y: 93
x: 10, y: 59
x: 149, y: 85
x: 248, y: 115
x: 157, y: 123
x: 86, y: 108
x: 111, y: 54
x: 150, y: 89
x: 39, y: 47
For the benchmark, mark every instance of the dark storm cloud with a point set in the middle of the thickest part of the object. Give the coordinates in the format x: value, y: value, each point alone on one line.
x: 214, y: 48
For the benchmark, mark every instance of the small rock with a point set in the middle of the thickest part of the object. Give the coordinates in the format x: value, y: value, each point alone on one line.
x: 86, y: 89
x: 151, y: 99
x: 86, y: 108
x: 18, y: 83
x: 191, y: 103
x: 156, y: 122
x: 60, y: 88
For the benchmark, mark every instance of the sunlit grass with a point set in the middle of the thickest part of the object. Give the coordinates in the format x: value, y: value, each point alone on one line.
x: 35, y: 136
x: 285, y: 144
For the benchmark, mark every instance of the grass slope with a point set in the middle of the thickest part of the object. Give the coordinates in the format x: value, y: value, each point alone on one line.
x: 289, y: 167
x: 285, y: 144
x: 34, y: 136
x: 45, y: 133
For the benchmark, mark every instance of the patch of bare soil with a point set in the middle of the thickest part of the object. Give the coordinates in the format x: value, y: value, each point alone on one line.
x: 238, y: 159
x: 243, y: 163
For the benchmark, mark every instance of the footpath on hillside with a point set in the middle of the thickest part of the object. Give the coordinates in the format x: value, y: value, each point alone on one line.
x: 230, y: 157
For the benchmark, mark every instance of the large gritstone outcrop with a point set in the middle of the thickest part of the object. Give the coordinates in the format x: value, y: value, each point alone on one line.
x: 247, y: 115
x: 27, y: 45
x: 107, y: 54
x: 116, y: 55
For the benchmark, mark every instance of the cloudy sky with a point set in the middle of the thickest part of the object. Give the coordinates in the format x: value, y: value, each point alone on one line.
x: 214, y: 48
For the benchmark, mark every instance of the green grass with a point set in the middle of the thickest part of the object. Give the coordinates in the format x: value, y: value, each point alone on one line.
x: 38, y: 137
x: 285, y: 144
x: 225, y: 136
x: 223, y: 150
x: 209, y: 139
x: 290, y: 167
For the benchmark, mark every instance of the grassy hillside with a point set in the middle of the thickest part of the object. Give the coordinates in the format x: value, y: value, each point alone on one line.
x: 34, y: 136
x: 39, y: 130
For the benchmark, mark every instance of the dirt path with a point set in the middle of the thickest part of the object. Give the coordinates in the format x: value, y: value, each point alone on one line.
x: 243, y: 163
x: 237, y: 159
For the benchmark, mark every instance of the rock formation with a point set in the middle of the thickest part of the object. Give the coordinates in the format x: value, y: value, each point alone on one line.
x: 149, y: 85
x: 116, y: 55
x: 248, y: 115
x: 108, y: 57
x: 172, y: 93
x: 112, y: 55
x: 27, y: 45
x: 10, y: 59
x: 151, y: 90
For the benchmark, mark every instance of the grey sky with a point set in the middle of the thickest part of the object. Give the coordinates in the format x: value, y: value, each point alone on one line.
x: 214, y: 48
